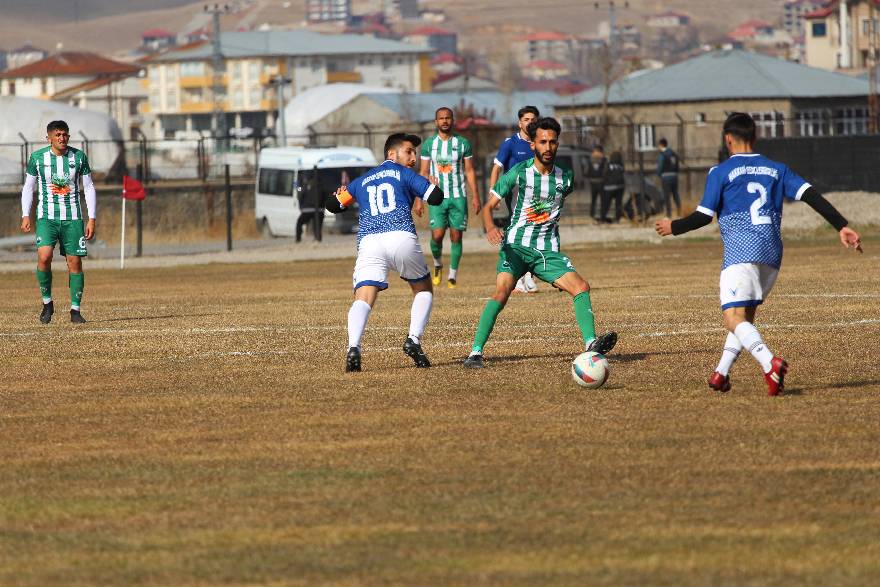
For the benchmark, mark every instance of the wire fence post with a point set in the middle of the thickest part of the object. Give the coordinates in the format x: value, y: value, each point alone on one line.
x: 228, y: 209
x: 139, y: 208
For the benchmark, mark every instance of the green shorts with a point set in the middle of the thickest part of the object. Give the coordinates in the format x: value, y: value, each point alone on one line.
x: 547, y: 265
x: 452, y: 213
x: 69, y: 233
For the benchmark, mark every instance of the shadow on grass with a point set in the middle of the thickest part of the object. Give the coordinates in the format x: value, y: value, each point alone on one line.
x: 849, y: 384
x: 162, y: 317
x: 492, y: 359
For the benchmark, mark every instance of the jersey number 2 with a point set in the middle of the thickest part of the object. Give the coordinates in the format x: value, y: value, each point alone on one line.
x: 757, y: 217
x: 381, y: 198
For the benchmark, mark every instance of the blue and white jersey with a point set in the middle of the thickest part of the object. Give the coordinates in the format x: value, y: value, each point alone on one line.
x: 746, y: 192
x: 513, y: 150
x: 385, y: 195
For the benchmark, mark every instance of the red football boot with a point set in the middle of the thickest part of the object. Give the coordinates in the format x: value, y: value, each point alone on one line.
x: 776, y: 377
x: 719, y: 382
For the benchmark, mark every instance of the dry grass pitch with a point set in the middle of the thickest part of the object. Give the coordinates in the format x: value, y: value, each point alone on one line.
x: 199, y: 429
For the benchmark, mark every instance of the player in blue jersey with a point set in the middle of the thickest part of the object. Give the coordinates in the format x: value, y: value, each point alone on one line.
x: 387, y: 240
x: 746, y: 192
x: 516, y: 149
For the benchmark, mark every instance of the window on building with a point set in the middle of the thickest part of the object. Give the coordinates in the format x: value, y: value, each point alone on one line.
x: 644, y: 137
x: 769, y: 124
x: 133, y: 108
x: 238, y: 99
x: 192, y: 68
x: 236, y: 70
x: 386, y: 63
x: 316, y: 64
x: 11, y: 87
x: 813, y: 122
x: 866, y: 26
x: 155, y: 103
x: 820, y: 29
x: 851, y: 121
x: 255, y: 96
x: 44, y: 86
x: 700, y: 118
x: 254, y: 70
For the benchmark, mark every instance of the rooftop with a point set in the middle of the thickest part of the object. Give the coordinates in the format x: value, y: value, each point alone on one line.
x: 724, y: 75
x: 292, y: 43
x: 72, y: 63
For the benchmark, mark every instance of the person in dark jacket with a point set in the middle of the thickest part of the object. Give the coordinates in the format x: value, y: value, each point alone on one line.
x: 596, y: 177
x: 310, y: 210
x: 667, y: 169
x: 614, y: 186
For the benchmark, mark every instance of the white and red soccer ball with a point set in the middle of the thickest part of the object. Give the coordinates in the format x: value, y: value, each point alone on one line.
x: 590, y: 370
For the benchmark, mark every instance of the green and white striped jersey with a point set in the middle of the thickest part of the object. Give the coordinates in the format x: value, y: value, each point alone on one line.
x: 58, y: 182
x: 538, y: 201
x: 447, y: 163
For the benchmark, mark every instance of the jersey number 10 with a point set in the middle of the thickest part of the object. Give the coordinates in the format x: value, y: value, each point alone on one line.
x: 381, y: 199
x: 757, y: 218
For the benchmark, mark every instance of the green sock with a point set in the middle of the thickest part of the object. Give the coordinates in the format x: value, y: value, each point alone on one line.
x: 44, y: 278
x: 77, y: 282
x: 455, y: 255
x: 436, y: 251
x: 487, y: 323
x: 583, y: 313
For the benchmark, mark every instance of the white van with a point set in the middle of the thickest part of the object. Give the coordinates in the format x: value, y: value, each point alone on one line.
x: 290, y: 176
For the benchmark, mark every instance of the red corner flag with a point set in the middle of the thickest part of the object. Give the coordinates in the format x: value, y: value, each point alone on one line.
x: 132, y: 189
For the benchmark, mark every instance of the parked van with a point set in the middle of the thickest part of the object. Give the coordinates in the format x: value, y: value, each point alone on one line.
x: 292, y: 179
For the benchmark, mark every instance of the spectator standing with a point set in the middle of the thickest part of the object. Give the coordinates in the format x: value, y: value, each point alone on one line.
x: 615, y: 183
x: 596, y: 175
x: 667, y: 169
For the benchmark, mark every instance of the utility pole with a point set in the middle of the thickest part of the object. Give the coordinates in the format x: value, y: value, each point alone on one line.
x: 872, y: 72
x: 280, y: 81
x: 611, y: 7
x: 609, y: 61
x: 218, y: 114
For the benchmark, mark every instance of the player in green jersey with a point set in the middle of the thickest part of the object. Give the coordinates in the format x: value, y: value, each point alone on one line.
x: 56, y: 172
x: 447, y: 161
x: 531, y: 241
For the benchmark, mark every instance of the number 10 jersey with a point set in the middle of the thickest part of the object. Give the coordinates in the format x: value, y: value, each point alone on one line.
x: 385, y: 195
x: 746, y: 192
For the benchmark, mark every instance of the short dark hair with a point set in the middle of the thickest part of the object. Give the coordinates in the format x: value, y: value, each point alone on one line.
x: 393, y: 142
x: 528, y: 110
x: 599, y: 148
x: 57, y: 125
x: 617, y: 158
x: 663, y: 143
x: 441, y: 109
x: 741, y: 126
x: 546, y: 123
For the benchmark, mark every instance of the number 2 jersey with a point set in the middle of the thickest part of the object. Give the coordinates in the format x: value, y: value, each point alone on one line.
x: 385, y: 195
x: 746, y: 192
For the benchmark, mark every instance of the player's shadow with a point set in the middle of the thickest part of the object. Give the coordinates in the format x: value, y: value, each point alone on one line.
x: 849, y: 384
x: 140, y: 318
x: 491, y: 360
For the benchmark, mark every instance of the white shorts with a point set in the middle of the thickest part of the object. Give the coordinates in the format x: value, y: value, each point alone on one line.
x: 746, y: 285
x: 398, y: 250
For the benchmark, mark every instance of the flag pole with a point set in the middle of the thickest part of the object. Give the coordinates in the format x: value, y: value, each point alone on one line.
x: 122, y: 239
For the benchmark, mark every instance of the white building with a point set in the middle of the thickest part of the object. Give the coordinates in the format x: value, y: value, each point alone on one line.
x: 181, y: 82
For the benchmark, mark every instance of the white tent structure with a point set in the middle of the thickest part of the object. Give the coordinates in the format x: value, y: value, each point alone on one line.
x: 314, y: 104
x: 29, y: 117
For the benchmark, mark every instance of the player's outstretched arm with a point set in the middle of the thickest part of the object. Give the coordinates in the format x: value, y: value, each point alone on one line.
x: 667, y: 227
x: 338, y: 201
x: 848, y: 237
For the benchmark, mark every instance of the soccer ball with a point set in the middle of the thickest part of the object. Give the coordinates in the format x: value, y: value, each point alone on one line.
x: 590, y: 370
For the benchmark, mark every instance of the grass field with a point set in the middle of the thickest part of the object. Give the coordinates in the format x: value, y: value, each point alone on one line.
x: 199, y: 430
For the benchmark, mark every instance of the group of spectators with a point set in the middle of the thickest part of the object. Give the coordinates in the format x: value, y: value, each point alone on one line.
x: 606, y: 176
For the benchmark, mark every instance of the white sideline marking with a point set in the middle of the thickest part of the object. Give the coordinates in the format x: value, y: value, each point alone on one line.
x: 707, y: 296
x: 766, y: 326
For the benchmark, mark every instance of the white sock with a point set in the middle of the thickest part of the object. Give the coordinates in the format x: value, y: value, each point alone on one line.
x: 732, y: 348
x: 47, y: 300
x: 437, y: 262
x: 419, y: 314
x: 750, y: 338
x: 357, y: 322
x: 453, y: 273
x: 72, y: 307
